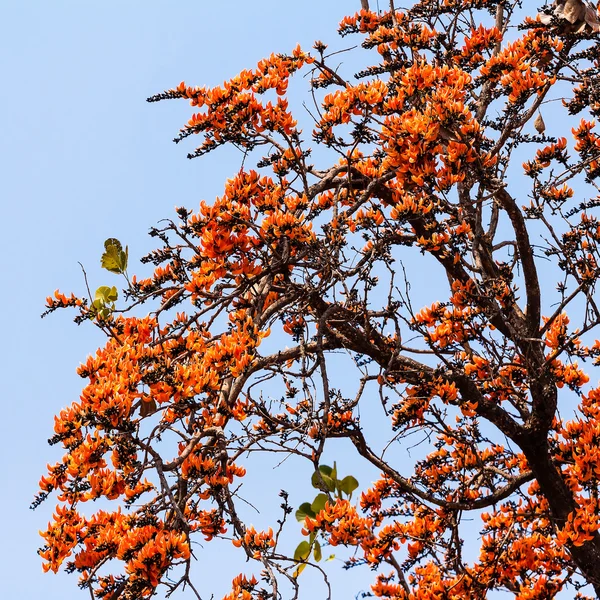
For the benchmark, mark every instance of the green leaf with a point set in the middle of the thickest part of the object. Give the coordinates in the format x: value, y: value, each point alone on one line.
x: 302, y: 551
x: 319, y: 503
x: 98, y: 304
x: 100, y: 310
x: 325, y: 478
x: 106, y: 294
x: 299, y: 570
x: 333, y: 473
x: 348, y: 485
x: 304, y: 511
x: 330, y: 557
x: 326, y: 470
x: 114, y: 258
x: 104, y: 299
x: 317, y: 552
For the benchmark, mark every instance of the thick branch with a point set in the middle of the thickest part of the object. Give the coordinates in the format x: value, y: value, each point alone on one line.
x: 532, y: 284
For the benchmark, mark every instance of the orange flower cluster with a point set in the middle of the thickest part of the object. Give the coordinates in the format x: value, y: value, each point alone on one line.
x: 209, y: 522
x: 344, y: 526
x: 544, y: 156
x: 579, y: 446
x: 342, y: 522
x: 588, y: 145
x: 363, y: 22
x: 256, y: 542
x: 147, y: 550
x: 439, y: 126
x: 523, y: 538
x: 482, y: 39
x: 243, y: 588
x: 59, y: 300
x: 159, y: 551
x: 206, y: 469
x: 512, y: 66
x: 117, y: 377
x: 449, y: 325
x: 233, y: 112
x: 254, y: 212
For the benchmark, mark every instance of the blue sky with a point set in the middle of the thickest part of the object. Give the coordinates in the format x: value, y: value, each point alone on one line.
x: 84, y: 158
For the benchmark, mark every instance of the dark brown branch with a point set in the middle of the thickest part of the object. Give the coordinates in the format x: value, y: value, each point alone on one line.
x: 532, y: 284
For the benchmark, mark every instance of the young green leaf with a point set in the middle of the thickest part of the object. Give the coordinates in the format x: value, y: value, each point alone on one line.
x: 100, y: 310
x: 322, y: 479
x: 304, y: 511
x: 114, y: 258
x: 299, y: 570
x: 106, y: 294
x: 98, y: 304
x: 319, y: 503
x: 104, y: 299
x: 302, y: 551
x: 317, y: 552
x: 348, y: 485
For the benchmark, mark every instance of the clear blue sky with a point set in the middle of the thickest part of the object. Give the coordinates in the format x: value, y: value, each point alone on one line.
x: 83, y: 157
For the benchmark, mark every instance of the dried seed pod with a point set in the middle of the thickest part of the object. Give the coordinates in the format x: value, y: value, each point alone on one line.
x: 539, y: 124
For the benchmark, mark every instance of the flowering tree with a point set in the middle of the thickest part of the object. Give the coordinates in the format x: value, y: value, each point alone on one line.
x: 436, y: 153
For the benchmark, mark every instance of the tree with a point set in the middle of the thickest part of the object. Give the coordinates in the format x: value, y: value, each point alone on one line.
x: 436, y: 156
